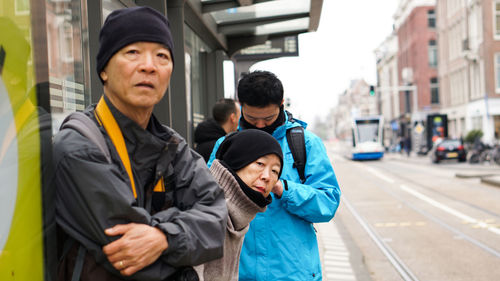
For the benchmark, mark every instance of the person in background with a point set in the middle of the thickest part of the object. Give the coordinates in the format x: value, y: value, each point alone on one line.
x: 154, y: 210
x: 247, y: 167
x: 407, y: 145
x: 225, y: 117
x: 281, y: 242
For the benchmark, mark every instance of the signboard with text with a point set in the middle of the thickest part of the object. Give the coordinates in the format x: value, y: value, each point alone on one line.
x: 274, y: 48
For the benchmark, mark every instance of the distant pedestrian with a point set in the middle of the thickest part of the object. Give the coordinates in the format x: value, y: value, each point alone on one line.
x: 225, y: 117
x: 407, y: 145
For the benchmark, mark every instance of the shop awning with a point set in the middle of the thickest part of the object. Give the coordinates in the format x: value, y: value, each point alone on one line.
x: 236, y: 24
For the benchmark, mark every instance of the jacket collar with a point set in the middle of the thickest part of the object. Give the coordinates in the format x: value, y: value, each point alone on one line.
x: 280, y: 132
x: 132, y: 132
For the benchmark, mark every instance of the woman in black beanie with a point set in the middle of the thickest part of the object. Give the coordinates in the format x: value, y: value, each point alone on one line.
x: 248, y: 164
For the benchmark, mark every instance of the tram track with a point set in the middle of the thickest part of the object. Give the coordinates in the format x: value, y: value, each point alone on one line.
x: 391, y: 253
x: 427, y: 215
x: 443, y: 224
x: 402, y: 200
x: 398, y: 264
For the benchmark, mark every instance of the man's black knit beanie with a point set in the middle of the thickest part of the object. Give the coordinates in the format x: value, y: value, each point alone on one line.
x: 126, y: 26
x: 244, y: 147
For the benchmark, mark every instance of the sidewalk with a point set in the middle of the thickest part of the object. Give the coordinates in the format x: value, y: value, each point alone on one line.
x: 486, y: 173
x: 338, y: 263
x: 335, y: 257
x: 341, y: 260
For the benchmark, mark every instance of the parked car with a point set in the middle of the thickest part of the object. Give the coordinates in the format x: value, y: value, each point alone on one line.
x: 448, y: 149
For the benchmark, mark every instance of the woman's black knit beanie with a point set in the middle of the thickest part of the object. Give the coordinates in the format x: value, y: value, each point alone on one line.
x: 244, y: 147
x: 126, y: 26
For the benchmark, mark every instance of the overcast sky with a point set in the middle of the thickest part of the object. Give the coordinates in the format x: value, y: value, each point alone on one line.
x: 341, y: 50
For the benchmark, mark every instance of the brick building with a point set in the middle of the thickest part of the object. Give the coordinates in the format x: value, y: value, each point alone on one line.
x: 469, y: 66
x: 415, y: 24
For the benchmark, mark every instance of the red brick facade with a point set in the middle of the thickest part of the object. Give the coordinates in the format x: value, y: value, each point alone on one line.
x: 413, y: 39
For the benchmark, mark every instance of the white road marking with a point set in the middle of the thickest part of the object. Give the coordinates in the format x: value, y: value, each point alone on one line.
x: 436, y: 204
x: 380, y: 175
x: 449, y: 210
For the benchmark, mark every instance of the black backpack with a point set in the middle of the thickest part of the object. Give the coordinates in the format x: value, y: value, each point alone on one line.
x: 297, y: 144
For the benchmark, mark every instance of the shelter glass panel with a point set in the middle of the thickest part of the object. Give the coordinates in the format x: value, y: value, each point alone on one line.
x: 68, y: 64
x: 198, y: 52
x: 26, y: 205
x: 109, y: 6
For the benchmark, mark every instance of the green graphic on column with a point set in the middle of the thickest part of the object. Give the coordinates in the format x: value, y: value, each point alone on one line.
x: 21, y: 227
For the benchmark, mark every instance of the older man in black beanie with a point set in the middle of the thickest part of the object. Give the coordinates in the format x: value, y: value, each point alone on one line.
x: 151, y: 209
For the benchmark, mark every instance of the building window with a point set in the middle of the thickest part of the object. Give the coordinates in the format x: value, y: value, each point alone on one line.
x: 497, y: 19
x: 433, y: 60
x: 66, y: 40
x: 497, y: 73
x: 431, y: 19
x: 434, y: 91
x: 477, y: 123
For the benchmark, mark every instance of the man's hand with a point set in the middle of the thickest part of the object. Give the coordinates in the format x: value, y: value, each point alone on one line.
x: 278, y: 189
x: 140, y: 246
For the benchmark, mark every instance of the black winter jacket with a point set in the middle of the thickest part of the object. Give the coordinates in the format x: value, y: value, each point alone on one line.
x: 92, y: 195
x: 205, y: 136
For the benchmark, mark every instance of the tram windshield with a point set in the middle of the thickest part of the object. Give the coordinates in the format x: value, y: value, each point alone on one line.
x: 367, y: 130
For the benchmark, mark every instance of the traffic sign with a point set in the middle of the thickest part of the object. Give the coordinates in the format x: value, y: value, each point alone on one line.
x: 419, y: 128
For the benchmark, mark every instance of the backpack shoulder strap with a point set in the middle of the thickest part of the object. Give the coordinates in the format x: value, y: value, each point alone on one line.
x: 81, y: 123
x: 296, y: 142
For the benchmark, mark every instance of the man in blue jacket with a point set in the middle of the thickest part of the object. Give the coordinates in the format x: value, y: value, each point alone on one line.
x: 281, y: 242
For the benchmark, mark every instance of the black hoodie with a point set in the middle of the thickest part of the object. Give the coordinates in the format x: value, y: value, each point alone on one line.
x: 205, y: 136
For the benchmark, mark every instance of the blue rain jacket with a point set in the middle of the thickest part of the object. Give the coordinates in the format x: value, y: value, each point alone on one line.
x: 281, y: 242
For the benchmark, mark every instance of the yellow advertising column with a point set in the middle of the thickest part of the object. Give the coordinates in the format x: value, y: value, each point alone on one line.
x: 21, y: 223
